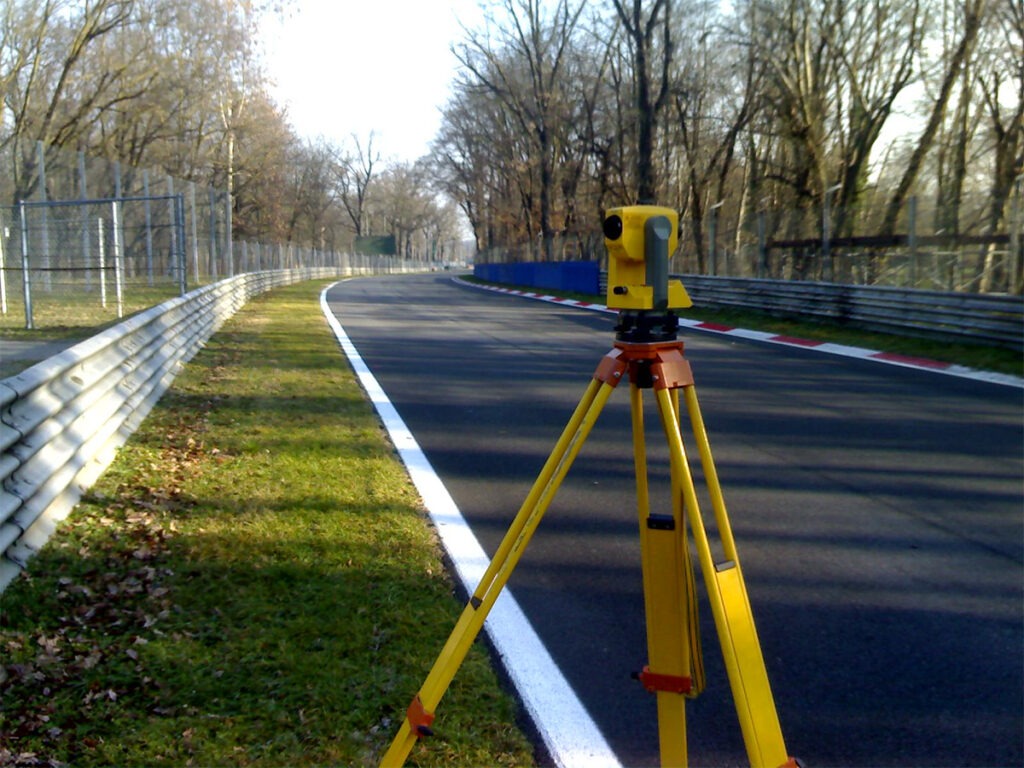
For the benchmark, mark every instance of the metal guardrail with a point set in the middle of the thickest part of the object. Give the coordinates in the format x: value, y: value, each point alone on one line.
x: 63, y: 419
x: 994, y: 319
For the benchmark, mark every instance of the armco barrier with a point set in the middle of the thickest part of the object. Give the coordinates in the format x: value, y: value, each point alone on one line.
x: 994, y: 319
x: 62, y: 420
x: 944, y: 316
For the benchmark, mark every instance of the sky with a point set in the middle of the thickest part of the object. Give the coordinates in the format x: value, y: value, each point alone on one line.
x: 343, y: 67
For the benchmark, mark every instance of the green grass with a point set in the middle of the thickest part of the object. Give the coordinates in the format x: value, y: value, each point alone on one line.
x: 76, y: 307
x: 252, y: 582
x: 979, y: 356
x: 982, y: 357
x: 70, y: 315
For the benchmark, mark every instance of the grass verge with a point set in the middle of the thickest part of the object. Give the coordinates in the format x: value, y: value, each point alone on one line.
x: 252, y: 582
x: 79, y: 308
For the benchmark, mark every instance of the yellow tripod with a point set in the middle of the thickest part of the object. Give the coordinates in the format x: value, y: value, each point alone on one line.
x: 646, y: 352
x: 674, y: 670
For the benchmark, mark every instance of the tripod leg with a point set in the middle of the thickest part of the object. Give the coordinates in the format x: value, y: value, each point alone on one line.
x: 675, y: 669
x: 710, y: 474
x: 419, y: 715
x: 690, y: 580
x: 727, y: 593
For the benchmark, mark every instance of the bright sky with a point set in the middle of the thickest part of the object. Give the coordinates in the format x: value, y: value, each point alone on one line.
x: 352, y: 66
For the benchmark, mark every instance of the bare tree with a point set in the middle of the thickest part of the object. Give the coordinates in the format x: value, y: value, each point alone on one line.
x: 525, y: 72
x: 460, y: 164
x: 45, y: 46
x: 1003, y: 71
x: 482, y: 160
x: 353, y: 175
x: 650, y: 37
x: 405, y: 202
x: 972, y: 14
x: 835, y: 71
x: 712, y: 103
x: 268, y: 160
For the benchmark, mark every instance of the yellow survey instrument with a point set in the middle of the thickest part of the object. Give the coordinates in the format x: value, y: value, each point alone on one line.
x: 647, y: 353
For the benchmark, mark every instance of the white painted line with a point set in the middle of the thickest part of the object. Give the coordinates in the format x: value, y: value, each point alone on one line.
x: 570, y: 735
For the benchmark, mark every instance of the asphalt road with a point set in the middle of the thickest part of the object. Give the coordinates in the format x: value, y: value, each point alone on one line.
x: 877, y: 511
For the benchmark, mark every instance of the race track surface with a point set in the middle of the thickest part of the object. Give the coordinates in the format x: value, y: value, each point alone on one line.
x: 877, y: 512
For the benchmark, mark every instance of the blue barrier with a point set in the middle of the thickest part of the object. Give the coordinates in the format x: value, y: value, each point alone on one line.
x: 575, y: 276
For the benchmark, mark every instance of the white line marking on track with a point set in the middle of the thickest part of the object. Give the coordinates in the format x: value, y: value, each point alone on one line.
x: 570, y: 736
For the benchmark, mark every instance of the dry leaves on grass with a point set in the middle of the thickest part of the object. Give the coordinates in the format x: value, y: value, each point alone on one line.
x: 100, y: 619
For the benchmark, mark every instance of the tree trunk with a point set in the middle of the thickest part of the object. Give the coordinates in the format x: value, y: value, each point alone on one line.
x: 648, y: 107
x: 973, y: 11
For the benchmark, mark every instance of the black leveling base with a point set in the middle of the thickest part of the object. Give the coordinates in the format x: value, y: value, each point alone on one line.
x: 646, y: 327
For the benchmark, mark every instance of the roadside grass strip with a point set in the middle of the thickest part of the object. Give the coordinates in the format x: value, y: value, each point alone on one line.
x: 252, y: 582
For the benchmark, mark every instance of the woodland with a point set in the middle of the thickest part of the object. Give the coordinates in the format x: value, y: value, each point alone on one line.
x: 560, y: 110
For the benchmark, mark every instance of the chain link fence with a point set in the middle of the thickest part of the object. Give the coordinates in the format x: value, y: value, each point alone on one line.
x: 932, y: 246
x: 66, y: 262
x: 86, y: 241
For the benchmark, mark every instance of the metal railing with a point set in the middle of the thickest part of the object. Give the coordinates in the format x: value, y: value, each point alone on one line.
x: 62, y: 420
x: 994, y: 319
x: 90, y: 262
x: 944, y: 316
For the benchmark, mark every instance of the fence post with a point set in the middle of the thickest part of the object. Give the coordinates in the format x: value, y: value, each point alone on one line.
x: 177, y: 230
x: 3, y: 266
x: 174, y: 263
x: 148, y: 209
x: 228, y: 239
x: 826, y: 233
x: 118, y: 223
x: 195, y: 236
x: 116, y: 213
x: 912, y: 238
x: 1016, y: 229
x: 102, y: 262
x: 179, y: 227
x: 213, y: 232
x: 713, y: 238
x: 26, y: 281
x: 762, y: 245
x: 83, y: 194
x: 45, y: 219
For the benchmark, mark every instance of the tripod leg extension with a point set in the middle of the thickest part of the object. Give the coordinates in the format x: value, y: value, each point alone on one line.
x: 420, y: 715
x: 675, y: 668
x: 727, y: 594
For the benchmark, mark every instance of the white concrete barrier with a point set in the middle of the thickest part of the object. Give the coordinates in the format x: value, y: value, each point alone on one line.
x: 62, y: 420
